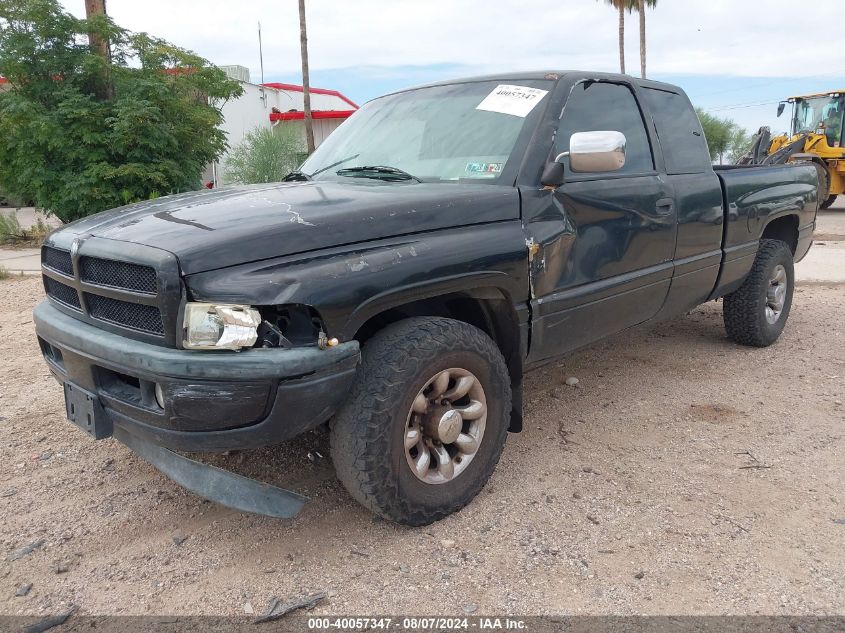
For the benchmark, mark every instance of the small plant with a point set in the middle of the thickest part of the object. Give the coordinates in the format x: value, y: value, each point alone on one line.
x: 11, y: 231
x: 4, y: 274
x: 265, y: 155
x: 10, y: 228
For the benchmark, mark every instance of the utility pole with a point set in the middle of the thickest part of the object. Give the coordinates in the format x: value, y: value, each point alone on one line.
x: 306, y: 88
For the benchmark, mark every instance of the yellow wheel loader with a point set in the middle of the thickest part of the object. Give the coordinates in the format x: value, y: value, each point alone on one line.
x: 816, y: 134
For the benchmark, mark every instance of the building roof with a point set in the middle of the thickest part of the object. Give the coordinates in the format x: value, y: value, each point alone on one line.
x: 316, y: 91
x: 299, y: 115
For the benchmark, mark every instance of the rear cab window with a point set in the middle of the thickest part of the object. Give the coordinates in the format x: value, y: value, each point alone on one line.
x: 679, y: 132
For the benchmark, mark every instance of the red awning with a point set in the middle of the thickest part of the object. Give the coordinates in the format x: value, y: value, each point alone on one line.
x: 316, y: 91
x: 316, y: 114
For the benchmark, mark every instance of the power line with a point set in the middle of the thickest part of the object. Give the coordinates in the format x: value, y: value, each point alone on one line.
x: 768, y: 83
x: 740, y: 106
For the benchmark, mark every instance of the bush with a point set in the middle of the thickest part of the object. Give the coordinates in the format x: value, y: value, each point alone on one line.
x: 11, y: 231
x: 7, y: 200
x: 80, y: 133
x: 10, y: 228
x: 265, y: 155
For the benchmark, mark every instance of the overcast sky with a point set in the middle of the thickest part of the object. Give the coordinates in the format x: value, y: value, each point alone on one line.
x: 736, y: 58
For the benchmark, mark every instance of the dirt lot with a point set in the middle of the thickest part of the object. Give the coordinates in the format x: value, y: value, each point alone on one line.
x: 684, y: 475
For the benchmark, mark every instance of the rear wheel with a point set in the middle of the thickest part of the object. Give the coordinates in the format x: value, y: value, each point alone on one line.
x: 756, y: 313
x: 426, y: 421
x: 828, y: 203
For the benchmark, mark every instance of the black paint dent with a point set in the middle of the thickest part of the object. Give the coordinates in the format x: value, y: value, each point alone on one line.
x: 349, y: 285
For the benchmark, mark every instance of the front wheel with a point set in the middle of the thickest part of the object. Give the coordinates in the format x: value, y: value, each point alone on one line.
x: 426, y: 421
x: 756, y: 313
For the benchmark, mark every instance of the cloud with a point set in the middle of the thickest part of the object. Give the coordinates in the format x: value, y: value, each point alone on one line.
x: 719, y: 37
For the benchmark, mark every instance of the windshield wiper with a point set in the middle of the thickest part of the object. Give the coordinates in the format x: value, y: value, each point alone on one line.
x: 296, y: 176
x: 377, y: 171
x: 299, y: 176
x: 340, y: 162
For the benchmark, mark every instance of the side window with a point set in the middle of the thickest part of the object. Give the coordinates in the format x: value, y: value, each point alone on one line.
x: 679, y: 131
x: 595, y: 106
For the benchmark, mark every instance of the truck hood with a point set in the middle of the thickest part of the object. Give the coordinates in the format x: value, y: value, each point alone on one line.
x: 235, y: 225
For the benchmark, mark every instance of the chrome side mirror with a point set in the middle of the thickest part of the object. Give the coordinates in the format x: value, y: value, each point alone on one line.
x: 594, y: 152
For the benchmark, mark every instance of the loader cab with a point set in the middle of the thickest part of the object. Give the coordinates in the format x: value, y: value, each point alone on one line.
x: 822, y: 114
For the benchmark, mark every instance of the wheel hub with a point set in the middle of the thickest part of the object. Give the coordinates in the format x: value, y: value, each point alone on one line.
x: 445, y: 426
x: 776, y: 294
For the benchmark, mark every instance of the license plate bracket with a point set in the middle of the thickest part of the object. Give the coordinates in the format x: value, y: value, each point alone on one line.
x: 84, y: 409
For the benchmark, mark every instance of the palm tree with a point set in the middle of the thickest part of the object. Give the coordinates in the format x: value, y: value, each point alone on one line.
x: 621, y: 5
x: 641, y: 6
x: 306, y: 81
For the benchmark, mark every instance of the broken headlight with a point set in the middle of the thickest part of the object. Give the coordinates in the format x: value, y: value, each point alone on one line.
x: 219, y: 326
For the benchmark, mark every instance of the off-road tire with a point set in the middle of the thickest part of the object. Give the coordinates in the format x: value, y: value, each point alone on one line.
x: 828, y: 203
x: 744, y: 310
x: 367, y: 434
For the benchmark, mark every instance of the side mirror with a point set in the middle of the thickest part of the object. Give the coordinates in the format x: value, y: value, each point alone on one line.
x: 781, y: 107
x: 552, y: 175
x: 596, y: 151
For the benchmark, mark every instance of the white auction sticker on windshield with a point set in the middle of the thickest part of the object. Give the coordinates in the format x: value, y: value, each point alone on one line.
x: 515, y: 100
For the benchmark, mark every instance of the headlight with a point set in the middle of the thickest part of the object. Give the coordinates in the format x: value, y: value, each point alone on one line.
x: 220, y: 326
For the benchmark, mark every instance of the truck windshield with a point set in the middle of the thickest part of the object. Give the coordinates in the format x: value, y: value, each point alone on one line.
x: 815, y: 113
x: 439, y: 134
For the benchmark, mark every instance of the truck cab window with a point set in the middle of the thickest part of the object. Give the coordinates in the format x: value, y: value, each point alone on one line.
x: 594, y: 106
x: 679, y: 131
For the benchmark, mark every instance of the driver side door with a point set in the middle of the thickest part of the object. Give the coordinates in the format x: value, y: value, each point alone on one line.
x: 606, y: 240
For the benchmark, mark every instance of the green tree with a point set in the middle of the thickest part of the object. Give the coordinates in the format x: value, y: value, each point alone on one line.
x: 80, y: 132
x: 723, y: 137
x: 265, y: 155
x: 740, y: 144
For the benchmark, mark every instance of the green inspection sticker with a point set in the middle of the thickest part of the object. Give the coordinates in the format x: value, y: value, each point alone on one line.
x: 483, y: 168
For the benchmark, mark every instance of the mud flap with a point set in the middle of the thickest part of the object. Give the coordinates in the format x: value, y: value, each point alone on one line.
x: 215, y: 484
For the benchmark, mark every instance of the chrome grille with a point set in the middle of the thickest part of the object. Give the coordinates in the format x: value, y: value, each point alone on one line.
x: 57, y: 259
x: 62, y: 293
x: 115, y: 274
x: 136, y: 316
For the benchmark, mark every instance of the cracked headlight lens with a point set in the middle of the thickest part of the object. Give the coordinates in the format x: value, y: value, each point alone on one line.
x: 220, y: 326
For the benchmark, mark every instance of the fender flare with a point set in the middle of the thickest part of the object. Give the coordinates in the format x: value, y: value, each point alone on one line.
x: 480, y: 285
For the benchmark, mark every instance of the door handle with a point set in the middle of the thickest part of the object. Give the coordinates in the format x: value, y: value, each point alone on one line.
x: 665, y: 206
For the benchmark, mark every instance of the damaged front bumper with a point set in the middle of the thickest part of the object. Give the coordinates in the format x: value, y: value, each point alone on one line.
x: 155, y: 398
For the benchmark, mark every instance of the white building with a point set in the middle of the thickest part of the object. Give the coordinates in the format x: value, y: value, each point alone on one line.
x: 272, y: 104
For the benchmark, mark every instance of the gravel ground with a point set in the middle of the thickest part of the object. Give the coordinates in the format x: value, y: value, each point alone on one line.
x: 682, y: 475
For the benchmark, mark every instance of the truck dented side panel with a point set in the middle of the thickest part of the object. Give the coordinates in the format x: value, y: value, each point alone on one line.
x: 350, y: 285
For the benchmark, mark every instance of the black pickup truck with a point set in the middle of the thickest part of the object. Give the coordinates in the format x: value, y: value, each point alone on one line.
x: 440, y: 243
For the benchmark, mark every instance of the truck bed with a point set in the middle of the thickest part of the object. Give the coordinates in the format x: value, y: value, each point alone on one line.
x: 754, y: 197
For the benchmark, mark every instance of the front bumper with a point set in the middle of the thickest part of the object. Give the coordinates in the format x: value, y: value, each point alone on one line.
x: 213, y: 400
